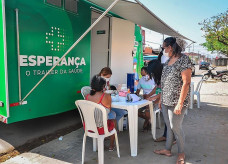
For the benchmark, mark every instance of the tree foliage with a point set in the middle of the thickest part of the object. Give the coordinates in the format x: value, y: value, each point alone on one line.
x: 216, y: 33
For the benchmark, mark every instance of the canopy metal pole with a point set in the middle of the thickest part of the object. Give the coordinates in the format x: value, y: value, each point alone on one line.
x: 18, y: 54
x: 189, y: 45
x: 83, y: 35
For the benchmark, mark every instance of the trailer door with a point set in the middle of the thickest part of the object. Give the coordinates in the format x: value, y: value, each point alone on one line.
x: 99, y: 44
x: 122, y: 45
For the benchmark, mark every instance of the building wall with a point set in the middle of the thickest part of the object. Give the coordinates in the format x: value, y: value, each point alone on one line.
x: 221, y: 62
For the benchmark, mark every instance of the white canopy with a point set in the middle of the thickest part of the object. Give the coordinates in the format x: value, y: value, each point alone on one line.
x: 139, y: 14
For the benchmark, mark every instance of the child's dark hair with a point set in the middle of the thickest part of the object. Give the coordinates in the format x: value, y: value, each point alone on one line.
x: 97, y: 84
x: 172, y: 41
x: 155, y: 70
x: 145, y: 69
x: 160, y: 54
x: 112, y: 87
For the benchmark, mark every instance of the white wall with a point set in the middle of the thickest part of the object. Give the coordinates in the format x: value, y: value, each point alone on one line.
x: 122, y: 45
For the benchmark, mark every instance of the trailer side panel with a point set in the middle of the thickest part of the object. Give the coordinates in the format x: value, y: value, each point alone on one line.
x: 3, y: 66
x: 46, y: 32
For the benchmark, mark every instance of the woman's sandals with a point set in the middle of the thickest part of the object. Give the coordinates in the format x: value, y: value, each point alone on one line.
x: 163, y: 152
x: 181, y: 159
x: 161, y: 139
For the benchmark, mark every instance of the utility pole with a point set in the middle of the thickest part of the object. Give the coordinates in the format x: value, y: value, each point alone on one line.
x: 193, y: 51
x: 198, y: 57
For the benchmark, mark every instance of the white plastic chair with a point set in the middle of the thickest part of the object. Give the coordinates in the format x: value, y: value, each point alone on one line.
x: 197, y: 92
x: 154, y: 123
x: 120, y: 124
x: 86, y: 110
x: 85, y: 91
x: 153, y: 116
x: 158, y: 112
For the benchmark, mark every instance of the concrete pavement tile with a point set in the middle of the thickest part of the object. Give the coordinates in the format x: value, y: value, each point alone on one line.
x: 5, y: 147
x: 31, y: 158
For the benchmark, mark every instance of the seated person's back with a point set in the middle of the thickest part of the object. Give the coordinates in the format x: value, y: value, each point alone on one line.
x: 98, y: 96
x: 102, y: 99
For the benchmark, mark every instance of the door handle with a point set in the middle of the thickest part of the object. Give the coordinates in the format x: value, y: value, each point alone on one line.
x: 1, y: 104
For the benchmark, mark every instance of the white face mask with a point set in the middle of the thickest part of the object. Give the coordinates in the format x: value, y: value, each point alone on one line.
x: 106, y: 79
x: 146, y: 77
x: 165, y: 53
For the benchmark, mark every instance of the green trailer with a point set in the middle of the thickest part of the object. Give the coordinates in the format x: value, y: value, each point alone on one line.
x: 34, y: 36
x: 41, y: 73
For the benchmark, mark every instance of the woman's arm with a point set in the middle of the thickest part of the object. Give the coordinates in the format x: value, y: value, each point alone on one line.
x: 153, y: 98
x: 137, y: 91
x: 151, y: 93
x: 107, y: 100
x: 186, y: 77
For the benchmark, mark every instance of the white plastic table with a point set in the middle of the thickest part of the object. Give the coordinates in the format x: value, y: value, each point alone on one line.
x: 191, y: 95
x: 132, y: 109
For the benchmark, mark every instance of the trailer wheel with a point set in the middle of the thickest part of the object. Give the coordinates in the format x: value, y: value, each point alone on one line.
x: 224, y: 78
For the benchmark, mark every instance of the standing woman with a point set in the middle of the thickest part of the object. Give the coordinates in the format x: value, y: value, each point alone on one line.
x: 175, y: 85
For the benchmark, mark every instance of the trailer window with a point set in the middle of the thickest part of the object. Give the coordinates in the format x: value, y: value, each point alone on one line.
x: 55, y: 2
x: 71, y: 5
x: 68, y: 5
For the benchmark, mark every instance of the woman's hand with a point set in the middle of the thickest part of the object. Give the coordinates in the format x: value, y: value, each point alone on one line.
x: 178, y: 109
x: 160, y: 104
x: 146, y: 96
x: 152, y: 98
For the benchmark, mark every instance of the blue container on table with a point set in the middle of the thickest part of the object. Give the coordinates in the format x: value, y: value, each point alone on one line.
x: 131, y: 81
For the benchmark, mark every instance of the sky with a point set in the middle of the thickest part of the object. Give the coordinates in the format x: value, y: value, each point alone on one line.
x: 184, y: 16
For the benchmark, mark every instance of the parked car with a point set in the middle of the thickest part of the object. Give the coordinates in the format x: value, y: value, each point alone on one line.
x: 204, y: 65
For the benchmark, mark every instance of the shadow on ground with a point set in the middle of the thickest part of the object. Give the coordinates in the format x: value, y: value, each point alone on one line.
x: 26, y: 135
x: 206, y: 132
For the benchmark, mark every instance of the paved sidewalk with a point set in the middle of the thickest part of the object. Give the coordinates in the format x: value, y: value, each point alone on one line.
x: 206, y: 132
x: 19, y: 134
x: 206, y: 142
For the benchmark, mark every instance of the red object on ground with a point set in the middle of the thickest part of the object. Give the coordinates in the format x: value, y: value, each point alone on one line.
x: 78, y: 91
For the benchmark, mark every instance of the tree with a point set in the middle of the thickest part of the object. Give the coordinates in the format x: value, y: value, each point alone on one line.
x: 216, y: 33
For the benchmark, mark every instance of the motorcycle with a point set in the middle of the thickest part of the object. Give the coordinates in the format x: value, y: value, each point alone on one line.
x: 220, y: 75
